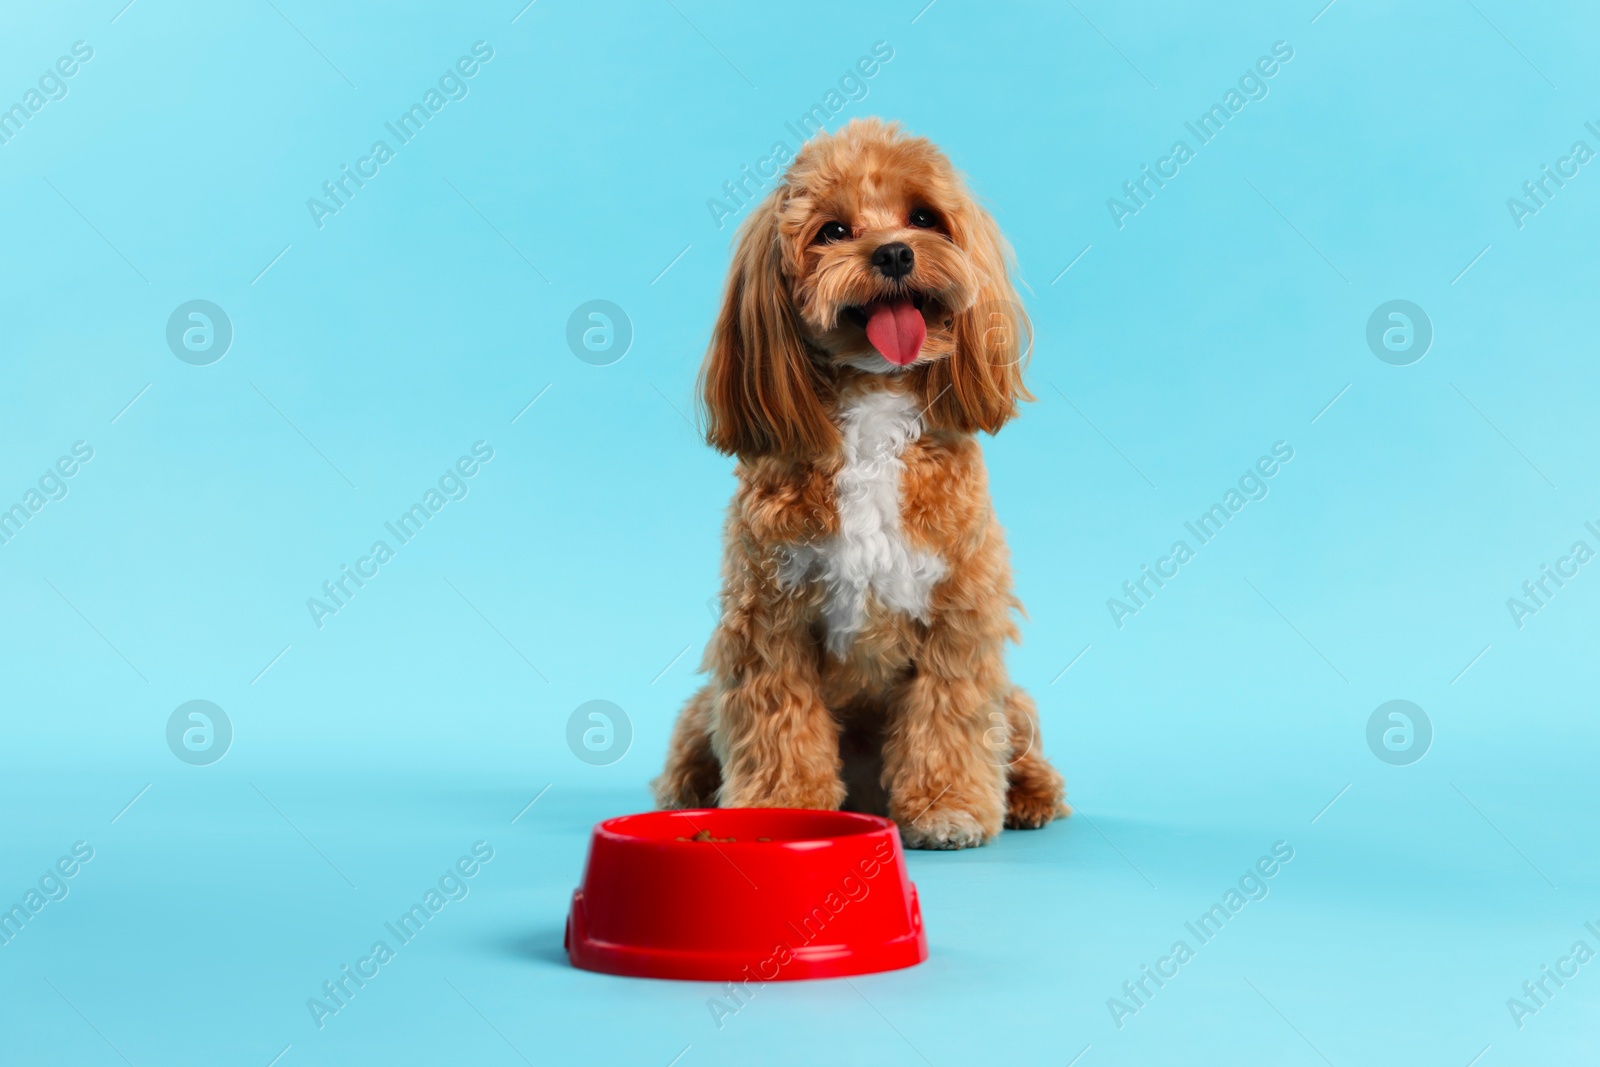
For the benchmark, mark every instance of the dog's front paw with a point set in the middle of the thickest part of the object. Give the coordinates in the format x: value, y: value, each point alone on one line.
x: 685, y: 787
x: 944, y: 829
x: 823, y: 793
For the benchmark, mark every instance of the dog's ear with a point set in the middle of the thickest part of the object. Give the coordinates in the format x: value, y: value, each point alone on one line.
x: 759, y: 389
x: 980, y: 384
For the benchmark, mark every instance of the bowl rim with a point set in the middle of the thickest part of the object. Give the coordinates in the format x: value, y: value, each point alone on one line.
x: 869, y: 826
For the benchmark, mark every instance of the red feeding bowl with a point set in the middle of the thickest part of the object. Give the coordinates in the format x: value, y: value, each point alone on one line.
x: 745, y: 894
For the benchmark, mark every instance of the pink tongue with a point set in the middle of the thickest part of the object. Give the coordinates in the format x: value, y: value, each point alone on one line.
x: 897, y: 331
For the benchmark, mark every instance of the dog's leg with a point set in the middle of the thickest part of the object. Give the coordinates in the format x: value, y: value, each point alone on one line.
x: 946, y: 789
x: 1035, y: 792
x: 692, y: 774
x: 776, y: 740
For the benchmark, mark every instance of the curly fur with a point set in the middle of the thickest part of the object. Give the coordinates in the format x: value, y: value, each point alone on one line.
x: 866, y: 591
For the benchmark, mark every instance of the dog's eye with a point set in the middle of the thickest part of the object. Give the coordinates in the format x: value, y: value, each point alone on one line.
x: 923, y: 219
x: 831, y: 232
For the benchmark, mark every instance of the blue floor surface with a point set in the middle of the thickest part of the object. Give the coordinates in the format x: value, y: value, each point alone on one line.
x: 213, y: 911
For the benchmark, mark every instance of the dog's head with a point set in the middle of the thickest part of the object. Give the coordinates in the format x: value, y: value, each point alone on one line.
x: 870, y: 254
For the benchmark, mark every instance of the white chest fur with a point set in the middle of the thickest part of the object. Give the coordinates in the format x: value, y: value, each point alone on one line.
x: 869, y: 554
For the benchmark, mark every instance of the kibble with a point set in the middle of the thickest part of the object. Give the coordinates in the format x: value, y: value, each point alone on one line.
x: 705, y: 836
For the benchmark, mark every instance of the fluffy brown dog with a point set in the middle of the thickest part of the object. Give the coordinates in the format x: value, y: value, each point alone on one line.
x: 868, y: 331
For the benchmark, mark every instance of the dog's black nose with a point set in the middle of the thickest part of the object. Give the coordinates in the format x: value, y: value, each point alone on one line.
x: 893, y: 260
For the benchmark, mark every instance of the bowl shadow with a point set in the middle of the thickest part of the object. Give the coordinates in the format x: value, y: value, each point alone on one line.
x: 539, y: 945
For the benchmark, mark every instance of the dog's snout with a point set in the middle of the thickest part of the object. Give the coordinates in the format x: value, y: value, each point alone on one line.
x: 893, y: 260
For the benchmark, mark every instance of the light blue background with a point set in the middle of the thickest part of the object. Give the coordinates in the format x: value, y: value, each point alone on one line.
x: 425, y: 716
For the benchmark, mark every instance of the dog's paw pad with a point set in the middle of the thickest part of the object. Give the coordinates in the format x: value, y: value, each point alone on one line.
x: 943, y: 830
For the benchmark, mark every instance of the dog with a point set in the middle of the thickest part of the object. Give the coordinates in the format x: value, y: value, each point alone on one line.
x: 867, y: 332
